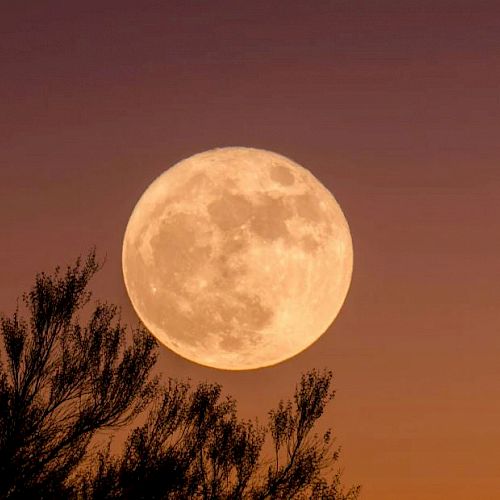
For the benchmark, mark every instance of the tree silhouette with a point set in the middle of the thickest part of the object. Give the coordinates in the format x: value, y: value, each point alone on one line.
x: 192, y: 445
x: 63, y: 383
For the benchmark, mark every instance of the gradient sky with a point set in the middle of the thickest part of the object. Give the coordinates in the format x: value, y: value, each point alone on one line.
x: 393, y: 105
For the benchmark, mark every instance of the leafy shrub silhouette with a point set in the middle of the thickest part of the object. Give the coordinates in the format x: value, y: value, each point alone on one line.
x: 65, y: 382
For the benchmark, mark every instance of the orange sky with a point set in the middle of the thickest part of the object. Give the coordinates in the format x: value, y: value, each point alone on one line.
x: 394, y: 106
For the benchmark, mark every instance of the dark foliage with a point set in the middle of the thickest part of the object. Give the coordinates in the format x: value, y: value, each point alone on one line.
x: 193, y: 446
x: 63, y: 383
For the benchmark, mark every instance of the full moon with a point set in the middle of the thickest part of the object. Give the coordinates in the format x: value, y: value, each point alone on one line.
x: 237, y: 258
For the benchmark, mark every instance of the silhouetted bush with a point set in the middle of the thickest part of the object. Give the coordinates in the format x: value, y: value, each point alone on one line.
x: 63, y: 383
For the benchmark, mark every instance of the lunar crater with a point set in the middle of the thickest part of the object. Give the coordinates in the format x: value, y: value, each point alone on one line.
x: 281, y: 174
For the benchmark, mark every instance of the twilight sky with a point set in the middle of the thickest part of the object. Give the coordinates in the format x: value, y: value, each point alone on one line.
x: 393, y: 105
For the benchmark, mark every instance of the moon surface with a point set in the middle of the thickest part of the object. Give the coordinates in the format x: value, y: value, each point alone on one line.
x: 237, y: 258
